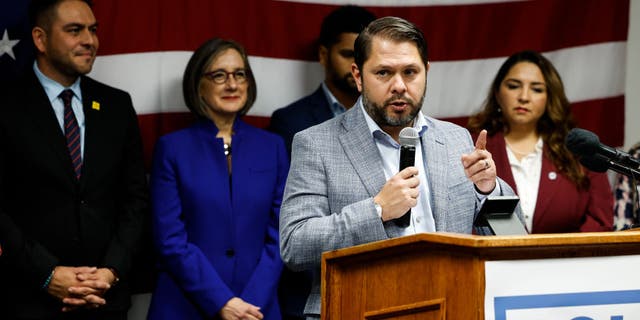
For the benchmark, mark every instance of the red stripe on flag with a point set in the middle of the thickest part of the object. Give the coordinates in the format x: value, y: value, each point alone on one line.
x: 153, y: 126
x: 604, y: 117
x: 594, y: 115
x: 289, y: 30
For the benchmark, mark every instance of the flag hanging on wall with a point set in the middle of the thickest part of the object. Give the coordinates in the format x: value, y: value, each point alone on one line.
x: 145, y: 45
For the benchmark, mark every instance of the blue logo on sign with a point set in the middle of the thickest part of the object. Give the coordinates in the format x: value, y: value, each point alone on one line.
x: 504, y: 304
x: 587, y: 318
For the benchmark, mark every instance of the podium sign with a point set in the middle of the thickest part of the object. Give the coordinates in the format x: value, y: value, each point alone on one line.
x: 563, y: 289
x: 582, y: 276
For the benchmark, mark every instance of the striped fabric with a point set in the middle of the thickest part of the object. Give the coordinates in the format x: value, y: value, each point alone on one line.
x: 72, y: 132
x: 145, y: 45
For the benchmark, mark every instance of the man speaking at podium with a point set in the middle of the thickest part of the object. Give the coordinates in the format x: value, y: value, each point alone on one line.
x: 344, y: 188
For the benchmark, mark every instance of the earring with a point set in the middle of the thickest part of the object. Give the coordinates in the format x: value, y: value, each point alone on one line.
x: 499, y: 110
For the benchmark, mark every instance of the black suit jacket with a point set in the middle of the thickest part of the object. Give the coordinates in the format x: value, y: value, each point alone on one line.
x: 47, y: 217
x: 299, y: 115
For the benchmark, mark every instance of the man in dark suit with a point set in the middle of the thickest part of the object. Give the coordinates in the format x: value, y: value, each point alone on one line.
x: 72, y: 186
x: 337, y: 93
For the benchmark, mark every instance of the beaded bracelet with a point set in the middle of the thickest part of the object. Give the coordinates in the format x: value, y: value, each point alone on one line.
x: 46, y: 283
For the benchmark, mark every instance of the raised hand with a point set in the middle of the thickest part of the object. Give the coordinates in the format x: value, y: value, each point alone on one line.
x: 479, y: 166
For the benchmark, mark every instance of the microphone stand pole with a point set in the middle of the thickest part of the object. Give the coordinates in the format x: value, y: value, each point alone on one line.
x: 633, y: 174
x: 636, y: 202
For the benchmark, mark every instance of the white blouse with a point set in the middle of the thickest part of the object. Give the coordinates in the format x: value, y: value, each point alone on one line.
x: 526, y: 174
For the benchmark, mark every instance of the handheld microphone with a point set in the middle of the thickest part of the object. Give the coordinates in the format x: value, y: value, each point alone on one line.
x: 598, y: 157
x: 409, y: 138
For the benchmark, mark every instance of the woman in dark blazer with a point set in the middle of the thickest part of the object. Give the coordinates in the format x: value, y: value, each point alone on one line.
x: 527, y: 116
x: 216, y: 190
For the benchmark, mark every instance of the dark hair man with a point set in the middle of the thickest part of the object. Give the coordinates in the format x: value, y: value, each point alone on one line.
x: 344, y: 187
x: 338, y: 91
x: 72, y: 184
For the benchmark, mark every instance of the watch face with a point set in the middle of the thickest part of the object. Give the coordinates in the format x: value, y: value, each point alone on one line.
x: 378, y: 209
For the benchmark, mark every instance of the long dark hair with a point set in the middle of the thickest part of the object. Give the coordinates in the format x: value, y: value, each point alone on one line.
x: 554, y: 124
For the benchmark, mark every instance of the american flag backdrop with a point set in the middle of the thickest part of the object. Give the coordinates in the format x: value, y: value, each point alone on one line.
x: 145, y: 45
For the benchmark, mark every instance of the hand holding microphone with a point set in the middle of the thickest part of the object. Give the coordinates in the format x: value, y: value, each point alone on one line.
x: 400, y: 193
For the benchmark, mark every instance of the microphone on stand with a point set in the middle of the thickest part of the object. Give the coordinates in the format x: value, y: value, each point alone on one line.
x: 409, y: 138
x: 598, y: 157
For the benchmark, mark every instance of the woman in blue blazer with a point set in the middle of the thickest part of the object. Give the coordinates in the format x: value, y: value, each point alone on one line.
x: 216, y: 190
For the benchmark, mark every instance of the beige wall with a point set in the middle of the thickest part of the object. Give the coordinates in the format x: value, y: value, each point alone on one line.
x: 632, y: 91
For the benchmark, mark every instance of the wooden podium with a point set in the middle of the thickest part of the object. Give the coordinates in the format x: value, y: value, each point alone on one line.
x: 441, y: 275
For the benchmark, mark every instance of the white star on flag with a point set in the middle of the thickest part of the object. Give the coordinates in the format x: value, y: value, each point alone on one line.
x: 6, y: 45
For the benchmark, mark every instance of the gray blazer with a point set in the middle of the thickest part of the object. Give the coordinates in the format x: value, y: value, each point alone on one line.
x: 336, y: 170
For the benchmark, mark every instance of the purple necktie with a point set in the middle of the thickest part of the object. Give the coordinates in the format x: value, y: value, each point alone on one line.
x: 72, y: 132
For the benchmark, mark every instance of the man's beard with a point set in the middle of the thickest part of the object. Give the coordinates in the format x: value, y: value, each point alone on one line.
x: 345, y: 83
x: 383, y: 119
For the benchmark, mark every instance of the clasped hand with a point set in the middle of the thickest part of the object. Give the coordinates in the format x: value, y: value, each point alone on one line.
x: 80, y: 287
x: 238, y: 309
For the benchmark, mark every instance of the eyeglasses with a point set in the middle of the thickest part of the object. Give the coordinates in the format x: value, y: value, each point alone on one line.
x: 221, y: 76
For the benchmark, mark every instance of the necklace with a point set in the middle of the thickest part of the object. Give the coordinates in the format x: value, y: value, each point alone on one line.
x: 516, y: 151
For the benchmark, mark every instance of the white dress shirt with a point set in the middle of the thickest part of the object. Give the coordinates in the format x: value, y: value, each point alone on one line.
x: 421, y: 215
x: 526, y: 174
x: 53, y: 90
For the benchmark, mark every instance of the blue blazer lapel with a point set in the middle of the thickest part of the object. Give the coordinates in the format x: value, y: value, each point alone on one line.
x: 359, y: 147
x: 215, y: 170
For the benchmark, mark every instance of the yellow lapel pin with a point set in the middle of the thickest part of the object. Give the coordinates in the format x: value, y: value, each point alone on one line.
x: 95, y: 105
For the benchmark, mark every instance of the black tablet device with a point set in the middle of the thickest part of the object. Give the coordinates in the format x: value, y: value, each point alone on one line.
x: 497, y: 213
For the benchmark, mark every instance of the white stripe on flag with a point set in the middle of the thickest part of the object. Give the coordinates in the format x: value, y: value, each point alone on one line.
x: 458, y: 88
x: 154, y: 80
x: 455, y: 88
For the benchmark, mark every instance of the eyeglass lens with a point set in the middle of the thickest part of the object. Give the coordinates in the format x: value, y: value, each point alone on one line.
x: 221, y: 76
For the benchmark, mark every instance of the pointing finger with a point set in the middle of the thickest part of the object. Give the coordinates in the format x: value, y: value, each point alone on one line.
x: 481, y: 142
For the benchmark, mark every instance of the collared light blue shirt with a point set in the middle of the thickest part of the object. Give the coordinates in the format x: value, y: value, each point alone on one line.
x: 421, y: 215
x: 336, y: 107
x: 53, y: 90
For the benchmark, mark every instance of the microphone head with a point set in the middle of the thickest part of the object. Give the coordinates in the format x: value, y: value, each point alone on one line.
x: 409, y: 136
x: 594, y: 163
x: 582, y: 142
